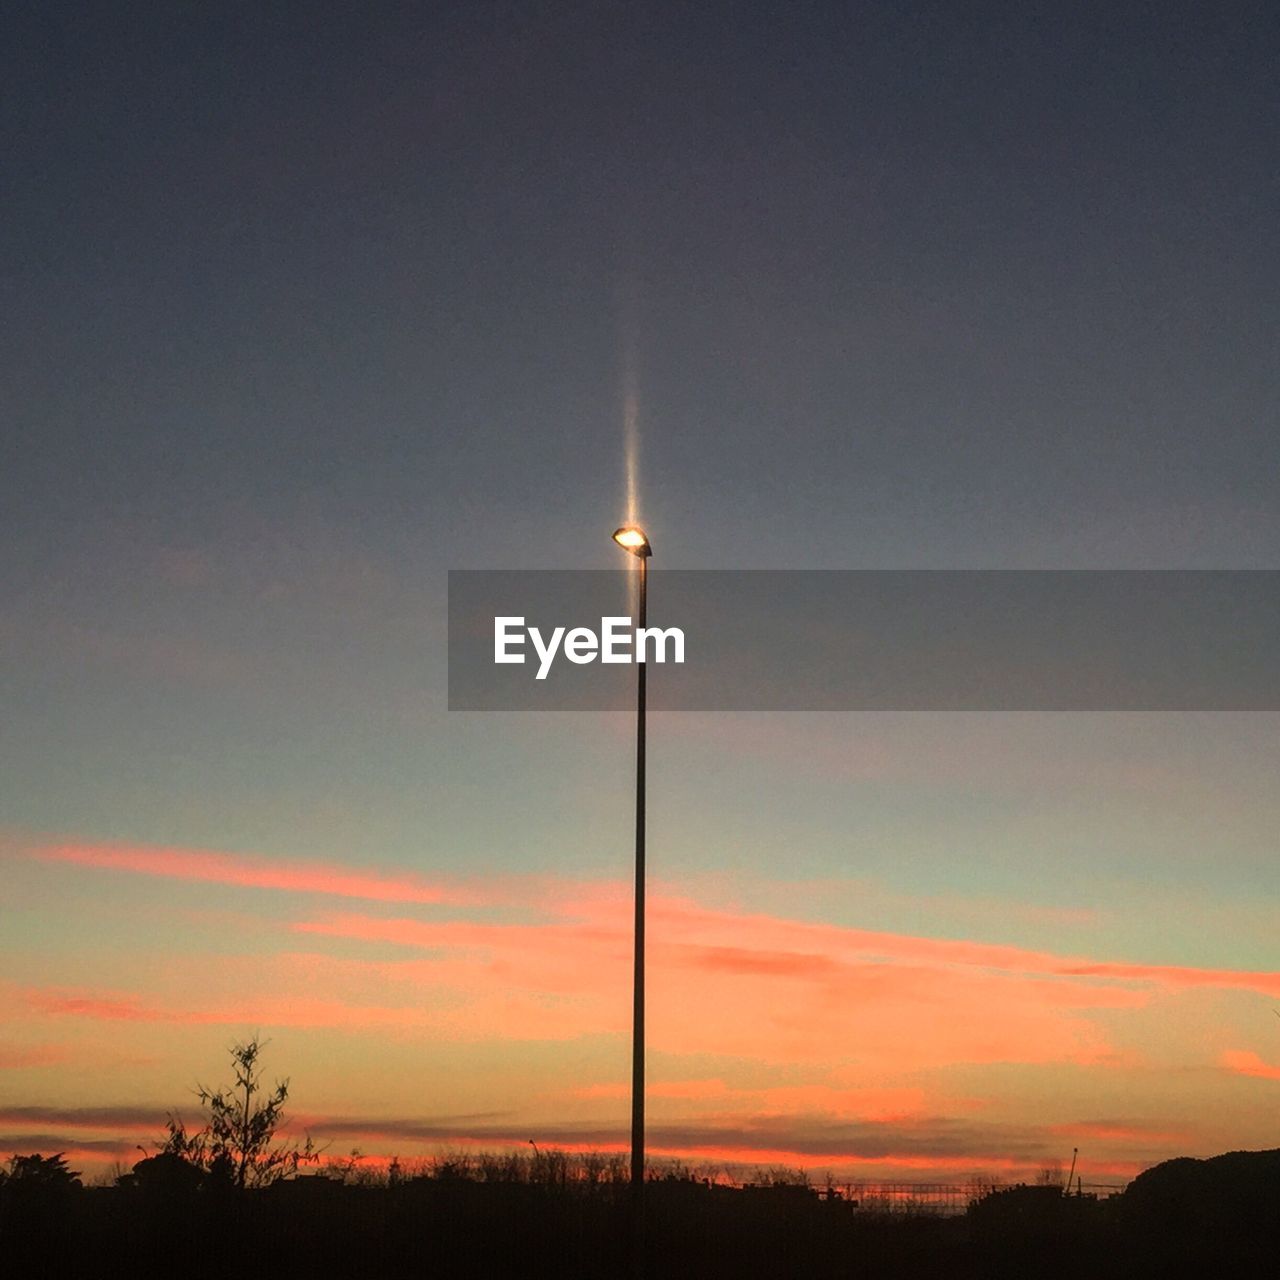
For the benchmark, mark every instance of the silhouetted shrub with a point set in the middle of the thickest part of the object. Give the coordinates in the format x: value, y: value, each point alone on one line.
x: 1224, y: 1211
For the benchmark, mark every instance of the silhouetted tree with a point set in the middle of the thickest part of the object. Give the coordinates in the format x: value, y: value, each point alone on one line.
x: 39, y: 1174
x: 237, y: 1144
x: 36, y: 1190
x: 167, y: 1175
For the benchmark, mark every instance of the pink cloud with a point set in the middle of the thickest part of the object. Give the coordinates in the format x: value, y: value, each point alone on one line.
x: 547, y: 980
x: 98, y: 1007
x: 599, y: 913
x: 1267, y: 984
x: 768, y: 988
x: 1245, y: 1062
x: 257, y: 873
x: 282, y: 1010
x: 771, y: 988
x: 680, y: 920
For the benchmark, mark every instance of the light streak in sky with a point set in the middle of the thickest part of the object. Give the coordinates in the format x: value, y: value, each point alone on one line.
x: 631, y: 429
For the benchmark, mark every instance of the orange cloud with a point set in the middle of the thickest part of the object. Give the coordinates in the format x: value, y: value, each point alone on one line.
x: 886, y: 1103
x: 255, y: 873
x: 1267, y: 984
x: 682, y: 920
x: 1245, y: 1062
x: 683, y: 1089
x: 776, y: 989
x: 600, y: 913
x: 545, y: 980
x: 766, y: 988
x: 101, y: 1008
x: 1121, y: 1131
x: 849, y: 1013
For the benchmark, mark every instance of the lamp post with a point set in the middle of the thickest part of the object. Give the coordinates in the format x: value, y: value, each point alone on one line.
x: 632, y: 539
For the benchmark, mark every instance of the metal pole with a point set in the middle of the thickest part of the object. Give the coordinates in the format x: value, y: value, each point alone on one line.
x: 637, y: 1031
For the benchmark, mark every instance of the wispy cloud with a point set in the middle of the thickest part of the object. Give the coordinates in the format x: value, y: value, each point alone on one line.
x: 871, y: 1103
x: 762, y: 986
x: 94, y: 1118
x: 812, y: 1140
x: 758, y: 1000
x: 1124, y: 1132
x: 99, y: 1006
x: 785, y: 1038
x: 273, y: 1010
x: 256, y: 873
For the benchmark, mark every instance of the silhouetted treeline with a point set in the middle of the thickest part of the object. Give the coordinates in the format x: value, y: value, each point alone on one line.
x: 562, y: 1218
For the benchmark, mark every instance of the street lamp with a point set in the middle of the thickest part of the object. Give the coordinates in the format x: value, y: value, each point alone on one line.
x: 632, y: 539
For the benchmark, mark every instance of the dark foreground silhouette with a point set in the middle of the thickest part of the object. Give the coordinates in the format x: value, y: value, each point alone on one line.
x: 1210, y: 1218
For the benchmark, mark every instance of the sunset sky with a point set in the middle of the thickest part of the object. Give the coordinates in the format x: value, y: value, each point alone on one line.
x: 310, y: 303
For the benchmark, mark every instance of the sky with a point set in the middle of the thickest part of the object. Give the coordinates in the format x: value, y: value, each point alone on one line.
x: 308, y: 304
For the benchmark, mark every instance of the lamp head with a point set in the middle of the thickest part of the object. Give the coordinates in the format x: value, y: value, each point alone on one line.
x: 631, y: 538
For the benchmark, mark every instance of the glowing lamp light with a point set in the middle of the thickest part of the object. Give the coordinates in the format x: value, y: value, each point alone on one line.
x: 632, y: 538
